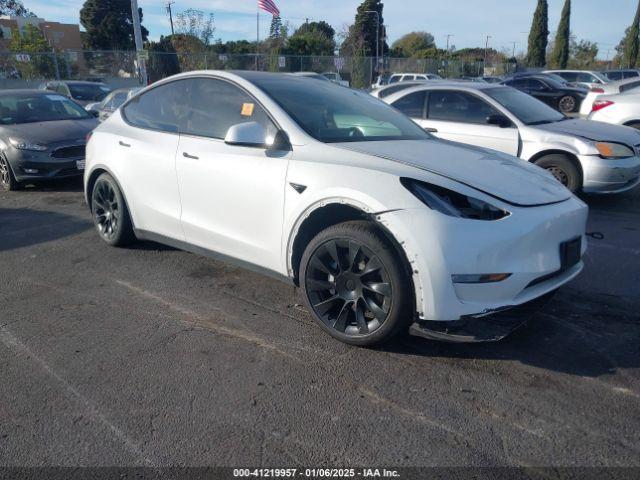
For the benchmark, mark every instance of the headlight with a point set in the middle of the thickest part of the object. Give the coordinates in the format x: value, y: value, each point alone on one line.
x: 614, y: 150
x: 453, y: 203
x: 21, y: 145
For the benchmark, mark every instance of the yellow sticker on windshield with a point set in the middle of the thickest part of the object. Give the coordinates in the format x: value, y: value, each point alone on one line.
x: 247, y: 109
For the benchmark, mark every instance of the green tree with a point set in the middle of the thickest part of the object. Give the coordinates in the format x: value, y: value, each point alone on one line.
x: 410, y: 44
x: 275, y: 31
x: 14, y: 8
x: 314, y: 38
x: 537, y: 47
x: 361, y: 36
x: 31, y: 41
x: 560, y: 54
x: 109, y: 25
x: 163, y: 60
x: 630, y: 42
x: 583, y: 54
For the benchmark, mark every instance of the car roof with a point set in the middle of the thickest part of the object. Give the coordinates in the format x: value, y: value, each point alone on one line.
x: 24, y: 91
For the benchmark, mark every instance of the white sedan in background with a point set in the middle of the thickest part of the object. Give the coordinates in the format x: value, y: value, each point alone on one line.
x: 378, y: 222
x: 620, y: 109
x: 582, y: 155
x: 628, y: 85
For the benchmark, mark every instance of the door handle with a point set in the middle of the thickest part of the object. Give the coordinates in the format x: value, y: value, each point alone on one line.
x: 193, y: 157
x: 122, y: 144
x: 430, y: 129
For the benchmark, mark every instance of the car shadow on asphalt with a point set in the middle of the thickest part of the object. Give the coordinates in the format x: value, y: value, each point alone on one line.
x: 25, y: 227
x: 571, y: 335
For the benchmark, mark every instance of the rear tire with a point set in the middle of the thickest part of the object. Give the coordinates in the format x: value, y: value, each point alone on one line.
x: 355, y: 284
x: 110, y: 213
x: 8, y: 180
x: 563, y: 169
x: 567, y: 104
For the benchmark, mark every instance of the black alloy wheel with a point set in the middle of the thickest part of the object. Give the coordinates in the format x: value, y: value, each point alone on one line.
x: 348, y: 287
x: 110, y: 214
x: 355, y: 284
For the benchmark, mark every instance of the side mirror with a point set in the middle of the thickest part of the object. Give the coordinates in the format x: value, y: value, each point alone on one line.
x: 252, y: 134
x: 499, y: 121
x: 248, y: 134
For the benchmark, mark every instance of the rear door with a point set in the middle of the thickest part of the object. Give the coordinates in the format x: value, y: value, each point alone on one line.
x: 147, y: 151
x: 462, y: 117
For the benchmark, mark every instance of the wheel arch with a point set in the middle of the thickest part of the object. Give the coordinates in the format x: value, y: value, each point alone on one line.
x: 571, y: 156
x: 326, y: 214
x: 628, y: 123
x: 91, y: 181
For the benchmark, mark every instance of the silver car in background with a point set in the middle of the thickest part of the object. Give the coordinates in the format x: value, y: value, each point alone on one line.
x: 583, y: 155
x: 628, y: 85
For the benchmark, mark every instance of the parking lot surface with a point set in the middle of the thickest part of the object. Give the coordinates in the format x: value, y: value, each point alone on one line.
x: 152, y: 356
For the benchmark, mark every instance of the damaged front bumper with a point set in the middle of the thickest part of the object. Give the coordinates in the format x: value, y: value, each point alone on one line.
x: 487, y: 328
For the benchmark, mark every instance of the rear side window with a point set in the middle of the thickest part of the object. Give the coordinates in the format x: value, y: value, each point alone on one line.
x: 412, y: 105
x: 408, y: 78
x: 629, y: 86
x: 568, y: 76
x: 519, y: 83
x: 615, y: 75
x: 395, y: 78
x: 458, y: 107
x: 216, y: 105
x: 161, y: 108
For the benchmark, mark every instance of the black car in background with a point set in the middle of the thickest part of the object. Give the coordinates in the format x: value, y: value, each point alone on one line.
x: 562, y: 97
x: 43, y: 136
x: 80, y: 92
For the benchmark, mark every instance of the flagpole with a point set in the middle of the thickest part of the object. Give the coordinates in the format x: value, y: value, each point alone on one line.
x: 257, y: 35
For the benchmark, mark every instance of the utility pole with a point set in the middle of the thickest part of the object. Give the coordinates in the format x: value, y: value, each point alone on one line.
x: 168, y: 4
x: 137, y: 31
x: 446, y: 57
x: 486, y: 51
x: 513, y: 55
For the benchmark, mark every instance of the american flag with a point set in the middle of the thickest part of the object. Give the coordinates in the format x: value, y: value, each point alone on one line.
x: 269, y: 6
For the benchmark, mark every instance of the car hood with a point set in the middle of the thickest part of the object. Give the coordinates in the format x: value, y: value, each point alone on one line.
x: 46, y: 133
x: 595, y: 131
x: 499, y: 175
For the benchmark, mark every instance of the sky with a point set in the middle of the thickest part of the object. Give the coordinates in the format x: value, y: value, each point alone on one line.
x: 469, y: 21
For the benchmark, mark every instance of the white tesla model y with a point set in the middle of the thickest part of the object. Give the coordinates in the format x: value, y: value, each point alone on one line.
x: 382, y: 226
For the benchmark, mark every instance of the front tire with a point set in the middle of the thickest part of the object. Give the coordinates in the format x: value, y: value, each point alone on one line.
x: 8, y: 180
x: 563, y: 169
x: 110, y: 214
x: 567, y: 104
x: 355, y: 284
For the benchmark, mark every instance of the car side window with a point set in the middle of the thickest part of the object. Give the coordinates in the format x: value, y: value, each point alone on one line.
x: 161, y: 108
x: 534, y: 84
x: 518, y: 83
x: 117, y: 100
x: 412, y: 105
x: 458, y: 107
x: 629, y: 86
x: 213, y: 106
x: 615, y: 75
x: 395, y: 78
x: 408, y: 78
x: 569, y: 76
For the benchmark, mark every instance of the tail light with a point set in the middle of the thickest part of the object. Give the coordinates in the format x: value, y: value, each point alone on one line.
x: 600, y: 104
x: 597, y: 90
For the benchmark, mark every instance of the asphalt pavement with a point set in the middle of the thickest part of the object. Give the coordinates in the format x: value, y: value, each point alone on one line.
x: 151, y: 356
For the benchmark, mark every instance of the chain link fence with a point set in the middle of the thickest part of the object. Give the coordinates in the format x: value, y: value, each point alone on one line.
x: 121, y: 67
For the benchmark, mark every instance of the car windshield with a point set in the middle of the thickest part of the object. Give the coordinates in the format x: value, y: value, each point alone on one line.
x: 334, y: 114
x: 526, y: 108
x: 88, y: 92
x: 30, y: 108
